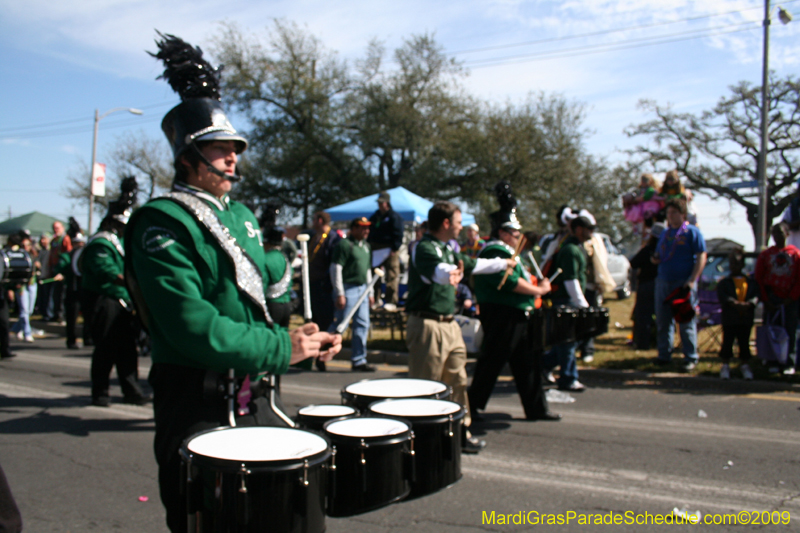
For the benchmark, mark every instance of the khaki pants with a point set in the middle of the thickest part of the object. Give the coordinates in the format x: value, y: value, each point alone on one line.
x: 436, y: 351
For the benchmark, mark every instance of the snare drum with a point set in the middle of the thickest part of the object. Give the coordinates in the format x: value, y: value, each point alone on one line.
x: 371, y: 464
x: 591, y: 322
x: 313, y: 417
x: 15, y: 266
x: 437, y: 440
x: 361, y: 394
x: 561, y: 322
x: 249, y: 479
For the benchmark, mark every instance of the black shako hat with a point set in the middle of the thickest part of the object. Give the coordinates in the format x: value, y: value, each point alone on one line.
x: 199, y: 117
x: 506, y: 217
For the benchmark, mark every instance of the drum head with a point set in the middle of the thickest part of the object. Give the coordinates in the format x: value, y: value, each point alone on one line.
x: 366, y: 427
x: 396, y: 388
x: 415, y: 408
x: 257, y: 444
x: 326, y: 411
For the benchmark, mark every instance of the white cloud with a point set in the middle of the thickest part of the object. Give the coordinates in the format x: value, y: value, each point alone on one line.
x: 72, y: 150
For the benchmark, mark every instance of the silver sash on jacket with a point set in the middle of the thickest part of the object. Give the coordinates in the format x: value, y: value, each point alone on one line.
x: 279, y: 288
x: 248, y: 275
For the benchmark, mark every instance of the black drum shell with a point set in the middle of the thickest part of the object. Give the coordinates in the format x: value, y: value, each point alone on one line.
x: 561, y: 323
x: 591, y: 322
x: 16, y: 266
x: 362, y: 402
x: 277, y: 496
x: 537, y: 329
x: 316, y: 423
x: 382, y: 479
x: 601, y: 321
x: 437, y: 455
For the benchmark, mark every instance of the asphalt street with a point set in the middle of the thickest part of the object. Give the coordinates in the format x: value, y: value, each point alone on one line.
x: 632, y: 443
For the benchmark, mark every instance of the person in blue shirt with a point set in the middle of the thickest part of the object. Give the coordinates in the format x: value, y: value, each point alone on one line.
x: 681, y: 256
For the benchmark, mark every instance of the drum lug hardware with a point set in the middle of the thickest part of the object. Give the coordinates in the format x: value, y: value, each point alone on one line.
x: 333, y: 459
x: 305, y: 472
x: 189, y: 469
x: 363, y: 447
x: 412, y: 453
x: 243, y: 472
x: 450, y: 426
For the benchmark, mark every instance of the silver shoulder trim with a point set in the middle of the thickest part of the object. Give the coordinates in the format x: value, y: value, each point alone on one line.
x: 248, y: 275
x: 110, y: 237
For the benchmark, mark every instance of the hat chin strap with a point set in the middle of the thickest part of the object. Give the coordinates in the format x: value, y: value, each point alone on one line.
x: 214, y: 170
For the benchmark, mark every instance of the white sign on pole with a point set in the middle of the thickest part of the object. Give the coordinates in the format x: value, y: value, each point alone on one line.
x: 99, y: 179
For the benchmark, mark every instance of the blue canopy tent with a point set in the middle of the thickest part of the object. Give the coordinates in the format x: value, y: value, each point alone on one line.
x: 411, y: 207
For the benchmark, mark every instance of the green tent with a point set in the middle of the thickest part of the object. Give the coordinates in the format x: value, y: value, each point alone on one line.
x: 35, y: 222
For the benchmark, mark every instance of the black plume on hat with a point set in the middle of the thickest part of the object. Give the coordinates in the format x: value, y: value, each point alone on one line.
x: 185, y: 70
x: 506, y: 216
x: 505, y: 196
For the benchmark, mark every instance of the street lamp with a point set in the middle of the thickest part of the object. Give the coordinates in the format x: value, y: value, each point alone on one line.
x: 97, y: 118
x: 761, y: 238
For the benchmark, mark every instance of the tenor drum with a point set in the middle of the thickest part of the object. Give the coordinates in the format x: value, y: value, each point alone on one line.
x: 361, y: 394
x: 437, y: 440
x: 255, y: 479
x: 15, y: 266
x: 371, y: 464
x: 591, y: 322
x: 561, y: 323
x: 313, y: 417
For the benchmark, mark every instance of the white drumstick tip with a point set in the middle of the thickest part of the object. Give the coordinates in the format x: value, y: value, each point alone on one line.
x: 378, y: 272
x: 303, y: 237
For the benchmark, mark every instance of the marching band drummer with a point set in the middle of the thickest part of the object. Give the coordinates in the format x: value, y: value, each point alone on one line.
x: 505, y: 311
x: 197, y: 271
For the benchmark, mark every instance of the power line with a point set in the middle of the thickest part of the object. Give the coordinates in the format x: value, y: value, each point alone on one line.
x: 605, y: 32
x: 83, y: 129
x: 72, y: 121
x: 610, y: 47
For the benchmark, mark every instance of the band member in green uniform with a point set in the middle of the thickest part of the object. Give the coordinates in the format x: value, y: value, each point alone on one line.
x: 505, y: 311
x: 113, y: 327
x: 435, y: 345
x: 198, y: 274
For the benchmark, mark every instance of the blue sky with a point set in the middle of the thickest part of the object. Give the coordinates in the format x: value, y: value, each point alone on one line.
x: 62, y: 60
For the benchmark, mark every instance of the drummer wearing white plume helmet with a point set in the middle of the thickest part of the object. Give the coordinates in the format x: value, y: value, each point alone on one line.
x: 197, y: 272
x: 435, y: 345
x: 568, y: 289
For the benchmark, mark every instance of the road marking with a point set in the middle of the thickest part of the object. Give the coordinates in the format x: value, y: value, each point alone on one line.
x: 629, y: 485
x: 772, y: 397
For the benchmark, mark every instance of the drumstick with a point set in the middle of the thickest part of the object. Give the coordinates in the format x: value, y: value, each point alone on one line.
x: 49, y: 280
x: 303, y: 240
x: 520, y: 245
x: 342, y: 326
x: 555, y: 274
x: 539, y: 274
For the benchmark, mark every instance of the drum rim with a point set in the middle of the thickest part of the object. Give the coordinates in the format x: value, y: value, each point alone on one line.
x: 435, y: 418
x: 353, y: 395
x: 396, y: 438
x: 235, y: 465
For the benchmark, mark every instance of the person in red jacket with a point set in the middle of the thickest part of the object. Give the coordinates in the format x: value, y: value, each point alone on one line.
x: 778, y: 275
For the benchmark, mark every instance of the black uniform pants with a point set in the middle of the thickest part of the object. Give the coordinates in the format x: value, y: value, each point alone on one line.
x: 10, y: 519
x: 5, y: 327
x: 71, y: 309
x: 115, y: 345
x: 506, y: 340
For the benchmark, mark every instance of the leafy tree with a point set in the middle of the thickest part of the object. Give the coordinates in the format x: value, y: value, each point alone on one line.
x: 291, y: 90
x: 722, y: 145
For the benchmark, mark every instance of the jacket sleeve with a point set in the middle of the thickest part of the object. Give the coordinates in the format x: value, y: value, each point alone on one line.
x: 170, y: 278
x: 726, y: 291
x: 100, y: 263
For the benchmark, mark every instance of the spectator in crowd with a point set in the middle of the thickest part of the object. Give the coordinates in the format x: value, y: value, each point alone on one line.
x: 474, y: 244
x: 419, y: 231
x: 598, y: 282
x: 646, y: 273
x: 568, y: 289
x: 778, y: 277
x: 60, y: 244
x: 351, y: 275
x: 792, y: 217
x: 681, y: 256
x: 738, y: 294
x: 26, y: 292
x: 386, y: 233
x: 320, y: 250
x: 43, y: 296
